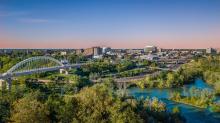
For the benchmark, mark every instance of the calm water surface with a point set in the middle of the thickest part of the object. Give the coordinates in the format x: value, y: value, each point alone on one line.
x: 192, y: 114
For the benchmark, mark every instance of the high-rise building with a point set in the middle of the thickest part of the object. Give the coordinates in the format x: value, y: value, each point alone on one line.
x: 97, y: 51
x: 94, y: 51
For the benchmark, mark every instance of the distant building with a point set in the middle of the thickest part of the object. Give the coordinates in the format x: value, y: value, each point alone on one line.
x: 98, y: 57
x: 150, y: 49
x: 211, y: 51
x: 182, y: 50
x: 97, y: 51
x: 8, y: 51
x: 119, y: 52
x: 64, y: 62
x: 160, y: 50
x: 88, y: 52
x: 106, y: 49
x: 49, y: 52
x: 150, y: 57
x: 63, y: 53
x: 79, y: 51
x: 218, y: 50
x: 1, y: 51
x: 134, y: 51
x: 94, y: 51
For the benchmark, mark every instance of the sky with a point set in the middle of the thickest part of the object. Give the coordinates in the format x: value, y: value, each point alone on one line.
x: 114, y: 23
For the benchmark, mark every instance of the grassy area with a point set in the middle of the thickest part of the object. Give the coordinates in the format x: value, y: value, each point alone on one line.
x: 201, y: 98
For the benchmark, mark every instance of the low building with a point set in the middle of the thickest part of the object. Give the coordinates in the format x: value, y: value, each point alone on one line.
x: 98, y: 57
x: 218, y: 50
x: 211, y: 51
x: 63, y: 53
x: 88, y: 52
x: 150, y: 57
x: 106, y: 50
x: 8, y: 51
x: 134, y: 51
x: 79, y: 51
x: 1, y: 52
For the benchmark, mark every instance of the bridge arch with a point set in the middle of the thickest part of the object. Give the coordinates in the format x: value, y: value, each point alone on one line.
x: 32, y: 59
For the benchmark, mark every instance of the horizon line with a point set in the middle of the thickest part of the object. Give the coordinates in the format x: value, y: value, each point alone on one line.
x: 94, y: 46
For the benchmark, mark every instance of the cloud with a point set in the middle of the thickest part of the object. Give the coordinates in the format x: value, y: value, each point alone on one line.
x: 33, y: 20
x: 25, y: 17
x: 8, y: 14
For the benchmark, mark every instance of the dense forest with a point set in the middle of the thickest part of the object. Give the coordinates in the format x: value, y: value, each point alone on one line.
x: 98, y: 103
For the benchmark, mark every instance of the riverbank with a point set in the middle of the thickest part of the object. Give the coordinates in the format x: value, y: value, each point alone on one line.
x: 213, y: 108
x: 192, y: 113
x: 201, y: 107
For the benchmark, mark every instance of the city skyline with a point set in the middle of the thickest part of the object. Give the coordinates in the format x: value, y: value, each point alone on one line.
x: 114, y: 23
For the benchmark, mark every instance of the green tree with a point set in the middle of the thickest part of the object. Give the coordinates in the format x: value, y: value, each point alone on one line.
x: 4, y: 109
x: 217, y: 87
x: 29, y: 110
x: 170, y: 79
x: 98, y: 104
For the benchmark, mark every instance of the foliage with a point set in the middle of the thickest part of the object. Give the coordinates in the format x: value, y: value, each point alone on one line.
x: 163, y: 80
x: 125, y: 65
x: 215, y: 107
x: 154, y: 105
x: 8, y: 60
x: 217, y: 87
x: 129, y: 73
x: 207, y: 68
x: 72, y: 98
x: 4, y: 109
x: 97, y: 104
x: 198, y: 97
x: 210, y: 70
x: 29, y: 109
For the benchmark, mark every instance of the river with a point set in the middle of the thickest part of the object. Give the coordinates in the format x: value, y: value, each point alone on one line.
x: 191, y: 113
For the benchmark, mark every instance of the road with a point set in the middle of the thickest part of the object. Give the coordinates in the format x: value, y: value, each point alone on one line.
x: 139, y: 77
x: 129, y: 79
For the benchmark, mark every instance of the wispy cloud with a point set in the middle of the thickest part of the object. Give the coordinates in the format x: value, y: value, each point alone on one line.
x: 8, y: 14
x: 33, y: 20
x: 25, y: 17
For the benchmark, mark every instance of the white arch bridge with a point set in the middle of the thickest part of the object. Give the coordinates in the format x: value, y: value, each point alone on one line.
x: 33, y: 65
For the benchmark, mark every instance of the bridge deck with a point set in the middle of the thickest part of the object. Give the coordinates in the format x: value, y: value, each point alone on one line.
x: 129, y: 79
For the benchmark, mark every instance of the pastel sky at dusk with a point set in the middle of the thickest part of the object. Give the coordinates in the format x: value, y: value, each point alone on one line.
x: 115, y: 23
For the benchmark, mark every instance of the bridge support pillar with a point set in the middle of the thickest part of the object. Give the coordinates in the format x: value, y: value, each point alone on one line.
x: 122, y: 88
x: 2, y: 84
x: 119, y: 86
x: 9, y: 82
x: 6, y: 84
x: 122, y: 85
